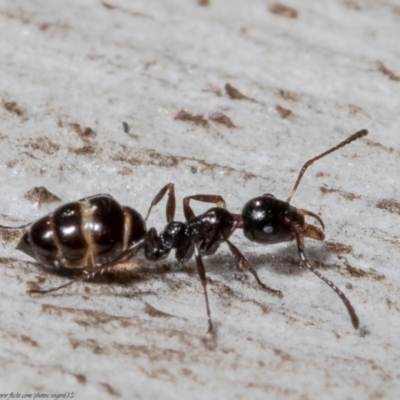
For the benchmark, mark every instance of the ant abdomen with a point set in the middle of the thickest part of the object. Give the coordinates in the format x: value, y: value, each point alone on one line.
x: 83, y: 234
x: 268, y: 220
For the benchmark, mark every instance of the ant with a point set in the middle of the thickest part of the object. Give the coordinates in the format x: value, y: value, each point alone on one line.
x: 96, y: 233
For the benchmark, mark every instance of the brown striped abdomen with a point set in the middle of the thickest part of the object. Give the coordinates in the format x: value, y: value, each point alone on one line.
x: 88, y: 233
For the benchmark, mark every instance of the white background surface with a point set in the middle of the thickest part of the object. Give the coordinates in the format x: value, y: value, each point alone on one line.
x: 86, y: 63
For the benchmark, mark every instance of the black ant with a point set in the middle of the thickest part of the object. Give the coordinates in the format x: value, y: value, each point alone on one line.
x: 96, y: 233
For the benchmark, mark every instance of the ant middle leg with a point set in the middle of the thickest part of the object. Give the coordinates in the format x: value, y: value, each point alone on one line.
x: 203, y: 278
x: 244, y: 264
x: 204, y: 198
x: 170, y: 207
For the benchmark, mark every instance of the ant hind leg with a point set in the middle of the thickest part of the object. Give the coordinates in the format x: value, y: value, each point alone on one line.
x: 91, y: 273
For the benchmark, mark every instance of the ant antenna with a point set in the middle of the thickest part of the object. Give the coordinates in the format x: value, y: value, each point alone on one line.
x: 352, y: 138
x: 304, y: 261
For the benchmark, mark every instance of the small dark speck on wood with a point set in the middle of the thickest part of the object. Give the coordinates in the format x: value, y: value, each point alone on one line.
x: 89, y: 149
x: 338, y: 248
x: 43, y: 144
x: 108, y: 389
x: 108, y: 5
x: 8, y: 235
x: 390, y: 74
x: 389, y: 205
x: 197, y: 119
x: 80, y: 378
x: 283, y: 112
x: 235, y: 94
x: 287, y: 95
x: 40, y: 195
x: 283, y: 11
x: 153, y: 312
x: 84, y: 133
x: 359, y: 273
x: 125, y: 127
x: 12, y: 107
x: 222, y: 119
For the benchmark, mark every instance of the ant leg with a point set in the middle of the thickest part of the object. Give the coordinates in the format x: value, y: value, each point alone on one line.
x: 44, y: 291
x: 304, y: 262
x: 170, y: 208
x: 91, y: 273
x: 203, y: 278
x: 205, y: 198
x: 243, y: 263
x: 16, y: 228
x: 352, y: 138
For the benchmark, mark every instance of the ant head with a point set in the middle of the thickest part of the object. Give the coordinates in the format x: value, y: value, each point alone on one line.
x: 268, y: 220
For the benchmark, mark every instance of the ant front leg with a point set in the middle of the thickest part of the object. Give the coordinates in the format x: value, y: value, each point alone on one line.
x: 205, y: 198
x: 89, y: 274
x: 304, y: 262
x: 244, y: 264
x: 170, y: 207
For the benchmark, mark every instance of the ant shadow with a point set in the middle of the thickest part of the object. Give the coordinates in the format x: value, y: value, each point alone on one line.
x: 281, y: 261
x: 285, y: 260
x: 125, y: 276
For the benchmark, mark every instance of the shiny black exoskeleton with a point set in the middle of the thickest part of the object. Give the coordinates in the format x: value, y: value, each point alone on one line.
x: 268, y: 220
